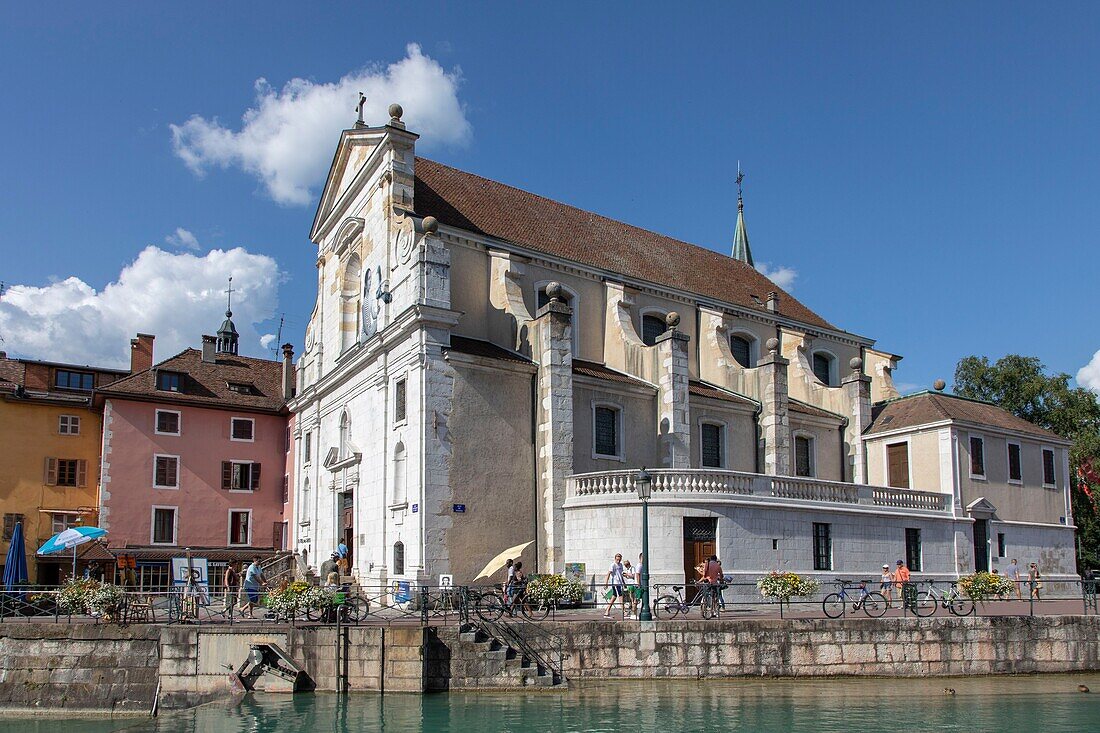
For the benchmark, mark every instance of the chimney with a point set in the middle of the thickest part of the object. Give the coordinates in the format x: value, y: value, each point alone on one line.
x: 209, y: 348
x: 773, y: 302
x: 141, y: 353
x: 288, y: 372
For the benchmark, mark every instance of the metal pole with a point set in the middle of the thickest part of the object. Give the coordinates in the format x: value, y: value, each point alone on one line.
x: 644, y: 612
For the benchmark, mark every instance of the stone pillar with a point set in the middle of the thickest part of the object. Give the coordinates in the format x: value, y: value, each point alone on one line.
x: 554, y: 435
x: 857, y: 390
x: 774, y: 421
x: 673, y: 419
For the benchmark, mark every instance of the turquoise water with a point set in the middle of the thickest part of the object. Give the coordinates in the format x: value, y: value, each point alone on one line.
x: 1015, y: 704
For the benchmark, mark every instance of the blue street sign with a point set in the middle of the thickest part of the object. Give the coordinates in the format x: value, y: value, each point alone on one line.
x: 416, y: 508
x: 460, y: 508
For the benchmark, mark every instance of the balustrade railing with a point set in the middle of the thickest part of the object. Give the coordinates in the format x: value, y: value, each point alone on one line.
x: 607, y: 484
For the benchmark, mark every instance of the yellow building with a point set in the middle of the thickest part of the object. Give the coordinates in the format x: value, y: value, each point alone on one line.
x: 51, y: 436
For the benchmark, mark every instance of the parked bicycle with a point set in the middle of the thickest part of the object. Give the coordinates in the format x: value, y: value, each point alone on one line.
x: 491, y: 605
x: 873, y: 603
x: 953, y: 600
x: 347, y: 607
x: 673, y: 604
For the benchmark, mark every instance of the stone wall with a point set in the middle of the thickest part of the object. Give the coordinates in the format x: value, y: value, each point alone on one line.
x: 78, y: 667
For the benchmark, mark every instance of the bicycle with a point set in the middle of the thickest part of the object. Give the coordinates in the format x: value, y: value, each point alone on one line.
x: 873, y: 603
x: 347, y: 607
x: 492, y: 605
x: 670, y: 606
x: 953, y: 600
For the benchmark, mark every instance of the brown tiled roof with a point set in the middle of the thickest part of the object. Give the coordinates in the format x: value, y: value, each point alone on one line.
x: 485, y: 349
x: 599, y: 371
x: 11, y: 372
x: 702, y: 389
x: 933, y: 407
x: 805, y: 409
x: 207, y: 383
x: 476, y: 204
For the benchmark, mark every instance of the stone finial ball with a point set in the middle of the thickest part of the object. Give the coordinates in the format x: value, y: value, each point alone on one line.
x: 430, y: 224
x: 855, y: 363
x: 396, y: 111
x: 554, y: 290
x: 939, y: 385
x: 672, y: 320
x: 772, y: 344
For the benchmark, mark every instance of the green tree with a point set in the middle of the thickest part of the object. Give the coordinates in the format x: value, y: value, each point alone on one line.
x: 1021, y: 385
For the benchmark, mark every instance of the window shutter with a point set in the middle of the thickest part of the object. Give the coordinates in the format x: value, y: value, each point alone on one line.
x: 255, y: 476
x: 51, y: 472
x: 227, y: 475
x: 81, y: 473
x: 9, y: 526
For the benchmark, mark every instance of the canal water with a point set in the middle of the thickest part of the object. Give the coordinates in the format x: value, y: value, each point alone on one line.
x: 1050, y: 704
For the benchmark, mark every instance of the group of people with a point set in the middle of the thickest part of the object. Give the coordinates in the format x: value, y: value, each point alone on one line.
x: 900, y: 576
x: 624, y: 586
x: 335, y: 567
x: 515, y: 581
x: 247, y: 587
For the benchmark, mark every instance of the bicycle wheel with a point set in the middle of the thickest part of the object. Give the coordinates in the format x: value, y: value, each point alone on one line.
x: 833, y: 605
x: 314, y: 614
x: 961, y: 605
x: 874, y: 604
x: 535, y: 610
x: 667, y: 607
x: 925, y: 605
x: 709, y: 606
x: 354, y: 610
x: 490, y: 607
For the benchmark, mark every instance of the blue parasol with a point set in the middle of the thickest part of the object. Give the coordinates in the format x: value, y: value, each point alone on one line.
x: 69, y: 539
x: 15, y: 566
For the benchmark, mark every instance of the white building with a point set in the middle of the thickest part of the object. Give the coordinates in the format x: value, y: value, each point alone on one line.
x: 485, y: 367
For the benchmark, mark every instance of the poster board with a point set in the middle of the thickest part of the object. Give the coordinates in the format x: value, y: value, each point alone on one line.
x: 198, y: 569
x: 578, y: 571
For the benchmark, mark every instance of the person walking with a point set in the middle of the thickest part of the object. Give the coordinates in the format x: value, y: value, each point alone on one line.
x: 509, y: 575
x: 901, y: 579
x: 1034, y: 581
x: 331, y: 565
x: 254, y: 580
x: 616, y: 582
x: 518, y: 584
x: 1012, y: 572
x: 886, y: 583
x: 630, y: 587
x: 231, y: 584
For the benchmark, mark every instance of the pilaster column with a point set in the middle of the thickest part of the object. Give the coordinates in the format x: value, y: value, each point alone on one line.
x: 774, y: 421
x: 554, y: 436
x: 673, y: 419
x: 857, y: 390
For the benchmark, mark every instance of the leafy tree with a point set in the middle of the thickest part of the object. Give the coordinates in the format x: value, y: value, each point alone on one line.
x: 1020, y: 385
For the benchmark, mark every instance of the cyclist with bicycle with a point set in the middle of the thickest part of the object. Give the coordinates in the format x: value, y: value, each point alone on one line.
x: 712, y: 577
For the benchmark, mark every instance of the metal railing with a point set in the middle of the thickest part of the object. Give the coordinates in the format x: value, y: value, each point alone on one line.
x: 541, y: 647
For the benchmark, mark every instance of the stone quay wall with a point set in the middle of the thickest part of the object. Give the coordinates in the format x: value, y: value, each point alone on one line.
x: 108, y: 668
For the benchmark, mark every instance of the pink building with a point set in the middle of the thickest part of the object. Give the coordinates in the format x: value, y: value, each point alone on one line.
x: 195, y: 456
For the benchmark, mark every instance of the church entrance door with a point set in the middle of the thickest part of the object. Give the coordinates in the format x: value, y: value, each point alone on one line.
x: 700, y: 542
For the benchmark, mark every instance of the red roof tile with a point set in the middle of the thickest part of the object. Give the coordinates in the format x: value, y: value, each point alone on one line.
x: 806, y: 409
x: 467, y: 201
x: 702, y: 389
x: 599, y: 371
x: 207, y: 383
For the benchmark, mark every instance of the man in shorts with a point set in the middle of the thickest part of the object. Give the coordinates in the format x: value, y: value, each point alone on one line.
x: 254, y: 580
x: 616, y: 583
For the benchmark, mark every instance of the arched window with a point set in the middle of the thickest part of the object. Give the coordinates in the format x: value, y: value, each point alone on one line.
x: 823, y: 367
x: 350, y: 292
x: 652, y: 327
x: 399, y: 491
x: 742, y: 347
x: 345, y: 435
x: 398, y: 558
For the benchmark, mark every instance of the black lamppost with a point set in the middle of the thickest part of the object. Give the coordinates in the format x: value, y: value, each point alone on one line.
x: 644, y: 483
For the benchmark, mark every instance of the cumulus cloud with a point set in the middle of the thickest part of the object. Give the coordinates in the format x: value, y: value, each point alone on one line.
x: 182, y: 239
x: 287, y: 137
x: 1088, y: 376
x: 782, y: 276
x: 175, y: 296
x: 267, y: 340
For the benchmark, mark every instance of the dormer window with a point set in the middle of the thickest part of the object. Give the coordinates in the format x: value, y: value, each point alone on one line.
x: 68, y: 379
x: 169, y: 381
x: 241, y: 387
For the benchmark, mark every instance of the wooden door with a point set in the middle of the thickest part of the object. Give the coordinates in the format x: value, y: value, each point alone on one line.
x: 700, y: 542
x: 981, y: 545
x: 897, y: 465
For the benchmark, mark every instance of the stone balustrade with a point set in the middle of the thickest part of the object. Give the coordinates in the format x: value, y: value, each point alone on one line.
x: 717, y: 484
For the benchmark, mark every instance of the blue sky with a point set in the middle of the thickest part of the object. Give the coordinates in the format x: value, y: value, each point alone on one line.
x: 930, y: 172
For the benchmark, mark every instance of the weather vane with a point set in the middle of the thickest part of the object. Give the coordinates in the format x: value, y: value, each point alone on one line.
x: 359, y: 109
x: 740, y: 177
x: 229, y: 298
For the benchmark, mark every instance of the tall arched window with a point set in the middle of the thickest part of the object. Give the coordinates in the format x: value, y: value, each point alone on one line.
x: 399, y: 491
x: 652, y: 327
x: 741, y: 346
x: 823, y: 367
x: 303, y: 511
x: 345, y: 435
x: 350, y: 293
x: 398, y: 558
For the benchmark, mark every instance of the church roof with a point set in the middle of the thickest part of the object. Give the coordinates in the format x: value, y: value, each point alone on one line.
x: 484, y: 349
x: 599, y: 371
x: 467, y: 201
x: 208, y: 384
x: 924, y: 408
x: 741, y: 250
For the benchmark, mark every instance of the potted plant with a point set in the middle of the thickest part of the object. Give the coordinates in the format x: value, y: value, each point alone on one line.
x: 291, y: 599
x: 555, y: 590
x: 982, y: 586
x: 785, y: 586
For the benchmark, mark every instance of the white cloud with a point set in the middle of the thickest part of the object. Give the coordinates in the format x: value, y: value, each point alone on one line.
x: 182, y: 239
x: 782, y: 276
x: 266, y: 340
x: 1088, y: 376
x: 175, y: 296
x: 286, y: 139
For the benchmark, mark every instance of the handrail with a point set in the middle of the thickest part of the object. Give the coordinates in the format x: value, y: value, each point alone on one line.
x: 551, y: 656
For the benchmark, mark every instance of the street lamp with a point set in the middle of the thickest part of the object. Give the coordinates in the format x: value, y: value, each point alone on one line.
x: 644, y: 484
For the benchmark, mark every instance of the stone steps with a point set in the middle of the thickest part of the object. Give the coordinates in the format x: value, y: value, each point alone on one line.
x: 493, y: 663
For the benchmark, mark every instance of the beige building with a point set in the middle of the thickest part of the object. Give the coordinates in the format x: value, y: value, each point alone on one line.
x: 485, y: 366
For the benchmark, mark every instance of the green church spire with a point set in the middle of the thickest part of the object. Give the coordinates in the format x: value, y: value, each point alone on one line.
x: 741, y: 250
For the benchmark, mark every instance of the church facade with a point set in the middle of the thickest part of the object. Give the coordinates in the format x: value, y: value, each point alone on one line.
x: 486, y: 367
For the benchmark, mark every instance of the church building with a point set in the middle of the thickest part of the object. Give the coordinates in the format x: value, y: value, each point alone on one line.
x: 486, y: 367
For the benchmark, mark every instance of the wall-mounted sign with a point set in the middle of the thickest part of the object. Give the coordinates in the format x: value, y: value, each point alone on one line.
x: 416, y: 508
x: 446, y: 581
x: 460, y: 508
